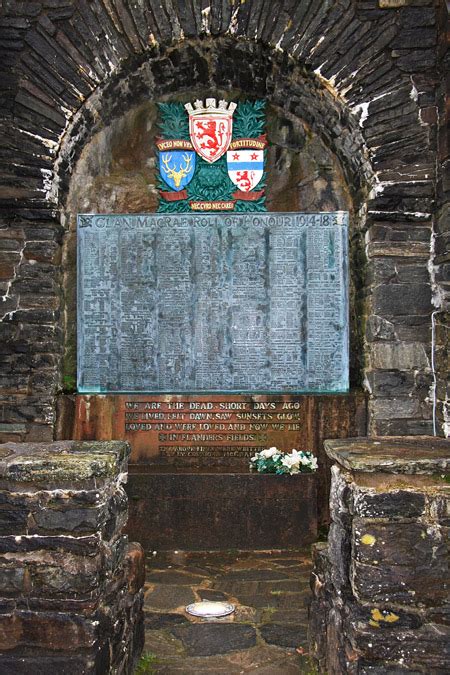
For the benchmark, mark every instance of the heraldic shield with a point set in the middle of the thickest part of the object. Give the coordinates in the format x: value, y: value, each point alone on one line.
x: 211, y: 128
x: 177, y: 168
x: 245, y: 168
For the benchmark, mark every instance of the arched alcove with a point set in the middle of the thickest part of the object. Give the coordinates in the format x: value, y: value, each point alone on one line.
x: 316, y: 156
x: 317, y: 161
x: 342, y: 69
x: 355, y: 115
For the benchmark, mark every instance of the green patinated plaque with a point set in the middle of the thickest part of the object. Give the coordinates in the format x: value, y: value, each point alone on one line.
x: 213, y: 303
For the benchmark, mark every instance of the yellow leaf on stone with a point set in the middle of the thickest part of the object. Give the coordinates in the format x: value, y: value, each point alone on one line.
x: 377, y: 616
x: 391, y: 617
x: 368, y: 539
x: 374, y: 624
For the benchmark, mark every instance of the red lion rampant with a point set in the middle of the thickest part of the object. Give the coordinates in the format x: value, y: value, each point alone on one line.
x: 213, y: 133
x: 245, y: 180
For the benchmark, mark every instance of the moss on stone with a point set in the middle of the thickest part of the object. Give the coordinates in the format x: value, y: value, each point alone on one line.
x: 73, y: 461
x: 121, y: 449
x: 61, y: 468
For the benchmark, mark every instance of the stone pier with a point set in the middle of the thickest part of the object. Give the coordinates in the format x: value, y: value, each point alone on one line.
x: 70, y: 583
x: 381, y: 583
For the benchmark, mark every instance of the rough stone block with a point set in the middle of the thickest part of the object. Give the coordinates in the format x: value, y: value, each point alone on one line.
x: 398, y: 356
x: 340, y: 498
x: 426, y: 648
x: 42, y: 251
x: 395, y: 408
x: 396, y: 616
x: 398, y: 299
x: 85, y: 545
x: 336, y: 652
x: 383, y: 618
x: 412, y: 544
x: 50, y: 631
x: 44, y: 664
x: 392, y: 504
x: 11, y: 581
x: 68, y: 520
x: 63, y: 463
x: 13, y: 519
x: 393, y: 383
x: 403, y: 426
x: 378, y: 328
x: 391, y: 455
x: 55, y: 574
x: 407, y: 585
x: 70, y: 584
x: 373, y: 668
x: 440, y: 508
x: 339, y: 546
x: 209, y: 639
x: 135, y: 565
x: 321, y: 569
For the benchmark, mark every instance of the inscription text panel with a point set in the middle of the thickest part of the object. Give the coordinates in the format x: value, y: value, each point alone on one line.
x: 205, y: 303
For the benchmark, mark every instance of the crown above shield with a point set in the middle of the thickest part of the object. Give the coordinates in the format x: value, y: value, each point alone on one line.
x: 210, y: 107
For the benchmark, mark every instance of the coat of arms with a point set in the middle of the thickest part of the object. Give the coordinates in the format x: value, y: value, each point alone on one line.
x: 245, y: 168
x: 210, y: 127
x: 206, y: 151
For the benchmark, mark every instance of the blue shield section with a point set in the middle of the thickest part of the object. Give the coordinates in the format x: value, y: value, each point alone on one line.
x: 177, y: 168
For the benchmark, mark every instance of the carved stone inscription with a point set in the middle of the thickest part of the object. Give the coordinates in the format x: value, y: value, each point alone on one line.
x: 193, y: 303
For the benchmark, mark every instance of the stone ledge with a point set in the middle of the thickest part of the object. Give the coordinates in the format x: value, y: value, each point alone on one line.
x: 70, y: 582
x: 392, y: 454
x: 221, y: 510
x: 380, y: 586
x: 62, y: 462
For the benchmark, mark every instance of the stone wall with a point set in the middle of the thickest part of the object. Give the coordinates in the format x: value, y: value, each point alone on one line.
x: 70, y: 583
x: 381, y: 584
x: 441, y: 239
x: 361, y: 74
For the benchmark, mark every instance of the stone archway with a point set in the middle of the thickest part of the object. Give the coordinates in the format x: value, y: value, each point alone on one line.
x: 310, y: 169
x: 333, y: 65
x: 115, y: 171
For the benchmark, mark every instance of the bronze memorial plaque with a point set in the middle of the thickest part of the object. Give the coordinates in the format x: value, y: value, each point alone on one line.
x: 252, y: 303
x: 196, y: 426
x: 198, y: 334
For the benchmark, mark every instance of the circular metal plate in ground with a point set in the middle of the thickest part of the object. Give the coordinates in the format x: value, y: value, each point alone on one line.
x: 208, y: 609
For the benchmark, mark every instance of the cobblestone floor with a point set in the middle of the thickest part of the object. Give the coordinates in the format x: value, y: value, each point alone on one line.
x: 266, y: 634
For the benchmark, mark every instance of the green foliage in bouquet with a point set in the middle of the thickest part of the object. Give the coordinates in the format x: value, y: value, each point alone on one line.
x: 273, y: 460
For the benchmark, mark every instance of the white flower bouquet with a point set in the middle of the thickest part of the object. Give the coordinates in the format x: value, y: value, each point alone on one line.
x: 273, y: 460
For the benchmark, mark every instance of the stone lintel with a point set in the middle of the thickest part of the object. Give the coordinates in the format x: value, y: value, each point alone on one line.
x: 391, y: 454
